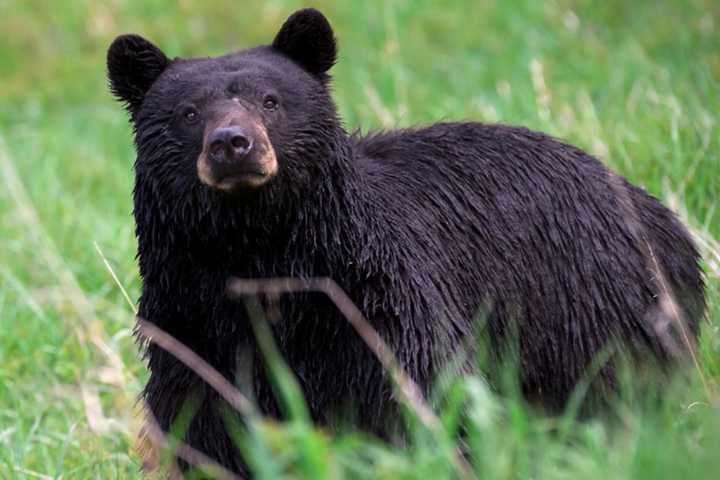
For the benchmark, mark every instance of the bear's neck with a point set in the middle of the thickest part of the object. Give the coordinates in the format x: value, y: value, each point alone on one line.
x: 329, y: 225
x: 320, y: 227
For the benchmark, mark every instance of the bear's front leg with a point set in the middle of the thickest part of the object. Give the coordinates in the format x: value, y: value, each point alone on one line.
x: 186, y: 407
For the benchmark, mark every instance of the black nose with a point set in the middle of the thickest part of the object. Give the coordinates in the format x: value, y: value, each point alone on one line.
x: 229, y: 144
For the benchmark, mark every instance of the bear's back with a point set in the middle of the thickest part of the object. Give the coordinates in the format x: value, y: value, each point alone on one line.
x: 543, y: 230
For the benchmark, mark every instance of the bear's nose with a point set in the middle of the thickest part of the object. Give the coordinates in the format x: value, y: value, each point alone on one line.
x: 229, y: 144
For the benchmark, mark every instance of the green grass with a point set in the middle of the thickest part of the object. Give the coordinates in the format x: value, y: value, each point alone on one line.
x: 637, y: 83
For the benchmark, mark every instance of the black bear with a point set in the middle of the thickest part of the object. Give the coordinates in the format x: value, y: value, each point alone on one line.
x: 244, y: 170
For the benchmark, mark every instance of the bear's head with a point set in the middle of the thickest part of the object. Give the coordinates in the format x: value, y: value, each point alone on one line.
x: 234, y: 125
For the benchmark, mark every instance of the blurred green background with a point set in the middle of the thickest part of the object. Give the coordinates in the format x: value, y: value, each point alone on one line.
x: 636, y: 83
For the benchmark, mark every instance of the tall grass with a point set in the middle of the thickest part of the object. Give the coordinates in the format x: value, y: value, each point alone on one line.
x: 636, y: 83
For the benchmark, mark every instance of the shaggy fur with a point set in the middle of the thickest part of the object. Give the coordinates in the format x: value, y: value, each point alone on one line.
x: 424, y: 229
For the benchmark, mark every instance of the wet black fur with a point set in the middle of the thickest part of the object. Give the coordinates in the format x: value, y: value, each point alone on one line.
x: 424, y: 229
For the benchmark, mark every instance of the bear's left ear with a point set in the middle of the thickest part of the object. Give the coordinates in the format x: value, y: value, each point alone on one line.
x: 133, y: 65
x: 307, y: 38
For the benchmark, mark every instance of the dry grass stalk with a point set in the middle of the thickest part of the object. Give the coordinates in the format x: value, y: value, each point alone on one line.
x: 211, y: 376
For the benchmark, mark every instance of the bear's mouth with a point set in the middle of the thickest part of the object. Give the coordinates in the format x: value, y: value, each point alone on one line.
x: 249, y: 179
x: 232, y: 178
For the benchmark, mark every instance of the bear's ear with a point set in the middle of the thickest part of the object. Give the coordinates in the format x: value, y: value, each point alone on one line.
x: 133, y: 65
x: 307, y: 38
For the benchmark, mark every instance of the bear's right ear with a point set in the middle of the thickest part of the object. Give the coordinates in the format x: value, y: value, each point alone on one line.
x: 133, y: 65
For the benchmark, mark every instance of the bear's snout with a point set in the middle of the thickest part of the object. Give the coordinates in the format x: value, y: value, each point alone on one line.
x: 229, y: 145
x: 236, y: 155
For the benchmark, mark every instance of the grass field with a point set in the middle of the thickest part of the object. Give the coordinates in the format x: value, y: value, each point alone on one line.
x: 637, y: 83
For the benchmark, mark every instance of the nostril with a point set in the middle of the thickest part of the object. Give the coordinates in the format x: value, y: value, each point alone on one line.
x: 240, y: 142
x: 217, y: 150
x: 217, y: 146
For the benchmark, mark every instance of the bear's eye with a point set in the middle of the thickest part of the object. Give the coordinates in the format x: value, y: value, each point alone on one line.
x: 270, y: 103
x: 190, y: 115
